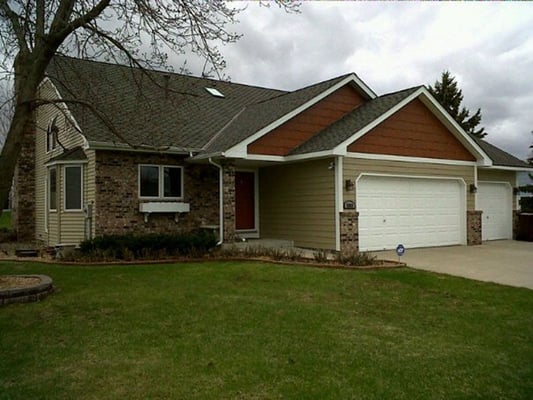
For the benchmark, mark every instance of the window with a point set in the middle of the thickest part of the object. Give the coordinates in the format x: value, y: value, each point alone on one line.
x: 73, y: 187
x: 159, y: 181
x: 51, y: 136
x: 52, y: 189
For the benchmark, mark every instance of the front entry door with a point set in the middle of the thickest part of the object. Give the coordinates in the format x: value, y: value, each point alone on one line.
x: 244, y: 200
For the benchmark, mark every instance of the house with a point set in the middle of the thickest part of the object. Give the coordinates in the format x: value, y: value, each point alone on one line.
x: 330, y: 166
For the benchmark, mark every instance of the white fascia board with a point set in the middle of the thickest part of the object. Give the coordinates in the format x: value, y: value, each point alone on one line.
x: 296, y: 157
x: 356, y: 135
x: 455, y: 128
x: 504, y: 168
x: 65, y: 162
x: 69, y: 115
x: 241, y: 148
x: 389, y: 157
x: 97, y: 145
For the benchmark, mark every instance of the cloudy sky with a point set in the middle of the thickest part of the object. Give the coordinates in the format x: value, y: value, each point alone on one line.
x: 487, y: 46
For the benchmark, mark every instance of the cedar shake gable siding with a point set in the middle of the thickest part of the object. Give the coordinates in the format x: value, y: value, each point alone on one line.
x: 283, y: 139
x: 413, y: 131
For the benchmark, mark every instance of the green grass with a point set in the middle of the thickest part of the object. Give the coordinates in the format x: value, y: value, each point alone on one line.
x: 5, y: 220
x: 226, y: 330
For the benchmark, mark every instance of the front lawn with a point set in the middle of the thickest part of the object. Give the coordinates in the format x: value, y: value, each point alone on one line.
x: 226, y: 330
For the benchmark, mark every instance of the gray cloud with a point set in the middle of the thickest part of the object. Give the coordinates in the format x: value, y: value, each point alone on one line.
x: 487, y: 46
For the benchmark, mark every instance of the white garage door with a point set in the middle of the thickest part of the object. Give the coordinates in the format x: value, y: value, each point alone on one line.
x: 416, y: 212
x: 496, y: 202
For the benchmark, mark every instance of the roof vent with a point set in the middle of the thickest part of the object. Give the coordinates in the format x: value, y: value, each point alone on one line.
x: 214, y: 92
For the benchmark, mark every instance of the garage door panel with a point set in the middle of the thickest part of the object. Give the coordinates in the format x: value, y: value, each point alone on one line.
x: 415, y: 212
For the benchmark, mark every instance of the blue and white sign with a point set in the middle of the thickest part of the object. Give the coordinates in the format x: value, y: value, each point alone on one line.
x: 400, y: 250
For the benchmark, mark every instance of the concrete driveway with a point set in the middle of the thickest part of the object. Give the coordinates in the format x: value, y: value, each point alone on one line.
x: 508, y: 262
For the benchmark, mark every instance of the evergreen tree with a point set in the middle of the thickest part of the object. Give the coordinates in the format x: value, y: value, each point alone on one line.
x: 451, y: 97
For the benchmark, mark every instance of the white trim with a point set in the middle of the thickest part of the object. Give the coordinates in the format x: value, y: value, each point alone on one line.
x: 65, y: 162
x: 251, y: 233
x: 295, y: 157
x: 65, y: 209
x: 46, y: 203
x: 220, y: 202
x: 160, y: 182
x: 503, y: 168
x: 338, y: 200
x: 388, y: 157
x: 443, y: 116
x: 476, y: 185
x: 464, y: 190
x: 240, y: 149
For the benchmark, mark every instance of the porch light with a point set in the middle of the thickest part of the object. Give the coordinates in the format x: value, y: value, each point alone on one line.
x: 516, y: 191
x: 473, y: 188
x: 349, y: 185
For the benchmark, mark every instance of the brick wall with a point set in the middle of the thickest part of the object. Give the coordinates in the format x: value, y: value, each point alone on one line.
x: 117, y: 199
x: 349, y: 227
x: 23, y: 205
x: 229, y: 201
x: 473, y: 227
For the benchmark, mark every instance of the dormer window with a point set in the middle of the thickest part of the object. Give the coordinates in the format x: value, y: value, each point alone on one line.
x: 51, y: 135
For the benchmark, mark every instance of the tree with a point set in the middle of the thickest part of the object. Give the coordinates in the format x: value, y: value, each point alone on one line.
x: 451, y: 97
x: 140, y: 33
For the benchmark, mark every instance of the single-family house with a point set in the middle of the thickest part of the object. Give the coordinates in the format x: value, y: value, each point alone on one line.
x: 329, y: 166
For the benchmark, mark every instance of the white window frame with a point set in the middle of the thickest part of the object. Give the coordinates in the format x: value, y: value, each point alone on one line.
x: 51, y: 141
x: 49, y: 181
x: 160, y: 182
x: 65, y: 188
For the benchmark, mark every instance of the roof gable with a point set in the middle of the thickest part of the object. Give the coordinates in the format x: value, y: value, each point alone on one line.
x: 281, y: 140
x: 413, y: 131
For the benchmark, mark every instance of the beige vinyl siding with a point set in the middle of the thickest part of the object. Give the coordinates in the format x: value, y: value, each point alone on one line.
x: 297, y: 202
x: 353, y: 167
x: 63, y: 227
x: 495, y: 175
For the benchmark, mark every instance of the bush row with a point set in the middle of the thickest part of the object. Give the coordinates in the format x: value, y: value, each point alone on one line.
x: 131, y: 246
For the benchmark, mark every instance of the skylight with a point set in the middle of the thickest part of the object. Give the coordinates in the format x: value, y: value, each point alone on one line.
x: 214, y: 92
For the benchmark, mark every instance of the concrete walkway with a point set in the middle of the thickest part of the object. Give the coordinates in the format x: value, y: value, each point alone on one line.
x: 507, y: 262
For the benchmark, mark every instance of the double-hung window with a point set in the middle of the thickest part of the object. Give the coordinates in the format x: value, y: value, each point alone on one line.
x: 73, y: 187
x: 160, y: 182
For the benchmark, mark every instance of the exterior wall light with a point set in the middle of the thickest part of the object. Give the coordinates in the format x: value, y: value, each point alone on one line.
x: 473, y: 188
x: 349, y: 185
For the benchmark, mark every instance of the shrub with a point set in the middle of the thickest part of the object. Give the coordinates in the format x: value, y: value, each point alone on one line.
x: 355, y: 258
x: 153, y: 245
x: 526, y: 204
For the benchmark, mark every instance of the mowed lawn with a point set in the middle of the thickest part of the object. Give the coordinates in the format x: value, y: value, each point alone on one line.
x: 5, y: 220
x: 226, y: 330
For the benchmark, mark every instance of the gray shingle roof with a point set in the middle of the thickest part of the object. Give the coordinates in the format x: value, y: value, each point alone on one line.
x: 259, y: 115
x: 500, y: 157
x: 148, y: 108
x: 352, y: 122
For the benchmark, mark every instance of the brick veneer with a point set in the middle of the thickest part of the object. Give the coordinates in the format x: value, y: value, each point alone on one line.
x: 23, y: 207
x: 473, y: 229
x: 228, y: 180
x: 349, y: 230
x: 117, y: 200
x: 516, y: 223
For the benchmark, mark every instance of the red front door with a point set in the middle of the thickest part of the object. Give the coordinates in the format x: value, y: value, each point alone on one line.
x: 244, y: 200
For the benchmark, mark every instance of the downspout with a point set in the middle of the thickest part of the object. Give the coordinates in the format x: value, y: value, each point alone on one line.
x: 220, y: 201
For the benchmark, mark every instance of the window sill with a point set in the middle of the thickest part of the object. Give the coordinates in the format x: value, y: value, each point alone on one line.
x: 163, y: 207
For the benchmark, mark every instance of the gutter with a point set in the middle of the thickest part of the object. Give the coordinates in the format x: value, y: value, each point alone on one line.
x: 220, y: 201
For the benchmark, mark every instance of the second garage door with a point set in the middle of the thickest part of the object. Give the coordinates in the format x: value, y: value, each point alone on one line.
x: 416, y: 212
x: 495, y: 200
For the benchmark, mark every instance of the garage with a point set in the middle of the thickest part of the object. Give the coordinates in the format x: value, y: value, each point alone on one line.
x: 495, y: 199
x: 416, y: 212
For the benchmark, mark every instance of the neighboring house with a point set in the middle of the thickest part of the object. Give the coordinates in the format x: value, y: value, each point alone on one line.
x: 329, y: 166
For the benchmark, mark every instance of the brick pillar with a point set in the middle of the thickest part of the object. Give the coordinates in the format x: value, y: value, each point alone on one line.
x: 349, y: 224
x: 516, y: 223
x: 473, y: 226
x: 23, y: 206
x: 228, y: 181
